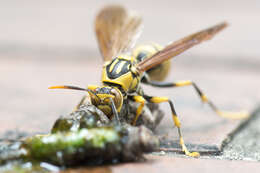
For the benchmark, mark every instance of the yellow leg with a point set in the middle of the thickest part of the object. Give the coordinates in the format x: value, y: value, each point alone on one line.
x: 204, y: 98
x: 176, y: 122
x: 139, y: 110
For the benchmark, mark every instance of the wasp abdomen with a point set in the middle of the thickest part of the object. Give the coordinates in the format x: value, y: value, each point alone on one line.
x: 157, y: 73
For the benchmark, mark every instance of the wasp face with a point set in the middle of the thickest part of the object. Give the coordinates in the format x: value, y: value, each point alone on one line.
x: 101, y: 97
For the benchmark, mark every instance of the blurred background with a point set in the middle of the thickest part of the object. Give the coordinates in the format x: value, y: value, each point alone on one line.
x: 52, y: 42
x: 57, y: 24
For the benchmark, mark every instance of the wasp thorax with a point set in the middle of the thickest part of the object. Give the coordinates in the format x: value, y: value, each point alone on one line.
x: 122, y: 73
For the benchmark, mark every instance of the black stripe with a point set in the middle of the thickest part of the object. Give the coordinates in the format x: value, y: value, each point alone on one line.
x: 113, y: 74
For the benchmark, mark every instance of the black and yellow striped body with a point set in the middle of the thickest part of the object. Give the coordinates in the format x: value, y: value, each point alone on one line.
x: 157, y: 73
x: 116, y: 31
x: 121, y: 73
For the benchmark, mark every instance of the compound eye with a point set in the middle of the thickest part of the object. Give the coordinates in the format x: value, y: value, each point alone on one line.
x: 118, y: 100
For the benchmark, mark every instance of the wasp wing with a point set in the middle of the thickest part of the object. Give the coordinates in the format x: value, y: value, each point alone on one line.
x: 116, y: 30
x: 179, y: 46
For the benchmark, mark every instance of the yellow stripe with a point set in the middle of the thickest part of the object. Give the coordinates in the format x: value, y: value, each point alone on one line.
x: 139, y: 110
x: 103, y: 96
x: 112, y: 65
x: 176, y: 121
x: 204, y: 98
x: 183, y: 83
x: 159, y: 99
x: 119, y: 68
x: 139, y: 99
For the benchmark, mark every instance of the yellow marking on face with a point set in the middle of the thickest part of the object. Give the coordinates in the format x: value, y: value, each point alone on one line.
x: 119, y: 68
x: 106, y: 109
x: 159, y: 99
x: 184, y: 83
x: 103, y: 96
x: 112, y: 65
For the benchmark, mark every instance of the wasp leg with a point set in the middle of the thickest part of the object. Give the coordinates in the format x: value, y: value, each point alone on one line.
x: 80, y: 103
x: 204, y: 98
x: 139, y: 110
x: 115, y: 111
x: 175, y: 120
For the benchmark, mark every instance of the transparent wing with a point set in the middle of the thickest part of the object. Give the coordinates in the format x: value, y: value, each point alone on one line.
x: 180, y: 46
x: 116, y: 30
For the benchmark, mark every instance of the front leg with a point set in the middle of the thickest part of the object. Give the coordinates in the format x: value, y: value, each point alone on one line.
x: 141, y: 100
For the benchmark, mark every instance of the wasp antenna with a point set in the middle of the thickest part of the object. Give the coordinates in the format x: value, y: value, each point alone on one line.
x: 74, y: 88
x: 67, y: 87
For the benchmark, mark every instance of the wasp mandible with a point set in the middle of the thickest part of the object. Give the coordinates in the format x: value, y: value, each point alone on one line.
x: 117, y: 30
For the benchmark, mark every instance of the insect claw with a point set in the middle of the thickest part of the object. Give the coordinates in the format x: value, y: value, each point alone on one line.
x: 193, y: 154
x: 186, y: 151
x: 190, y: 154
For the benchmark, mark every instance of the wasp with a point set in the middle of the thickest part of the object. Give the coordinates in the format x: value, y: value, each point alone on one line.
x: 124, y: 70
